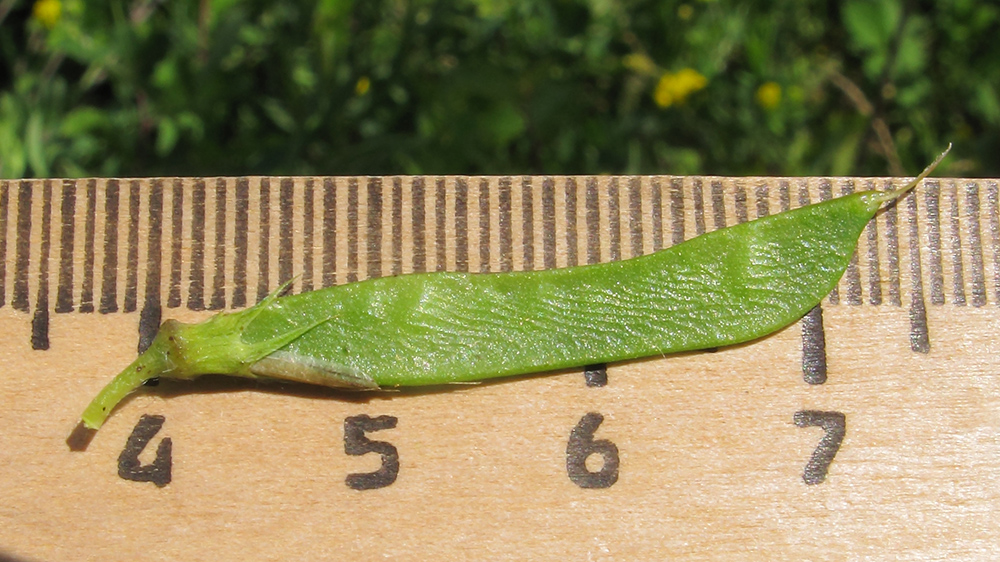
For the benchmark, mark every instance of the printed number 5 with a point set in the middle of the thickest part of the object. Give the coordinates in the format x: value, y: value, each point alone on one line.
x: 356, y: 443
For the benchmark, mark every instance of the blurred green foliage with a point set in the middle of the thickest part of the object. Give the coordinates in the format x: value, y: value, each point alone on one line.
x: 213, y: 87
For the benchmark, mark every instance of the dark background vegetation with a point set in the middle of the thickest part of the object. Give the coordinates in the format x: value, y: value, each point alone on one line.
x: 227, y: 87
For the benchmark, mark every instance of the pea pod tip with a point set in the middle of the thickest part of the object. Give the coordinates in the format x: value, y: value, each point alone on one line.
x: 890, y: 196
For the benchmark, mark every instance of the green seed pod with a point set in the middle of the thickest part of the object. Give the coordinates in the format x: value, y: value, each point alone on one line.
x: 725, y: 287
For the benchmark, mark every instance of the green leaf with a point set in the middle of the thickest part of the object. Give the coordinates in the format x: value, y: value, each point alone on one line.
x: 82, y: 120
x: 846, y: 154
x: 166, y: 136
x: 192, y: 123
x: 34, y: 137
x: 915, y: 94
x: 278, y: 114
x: 986, y: 100
x: 304, y: 77
x: 12, y: 158
x: 871, y: 24
x: 911, y: 57
x: 506, y: 123
x: 165, y: 74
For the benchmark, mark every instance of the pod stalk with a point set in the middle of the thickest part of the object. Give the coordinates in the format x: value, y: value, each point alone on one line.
x: 187, y: 351
x: 152, y: 363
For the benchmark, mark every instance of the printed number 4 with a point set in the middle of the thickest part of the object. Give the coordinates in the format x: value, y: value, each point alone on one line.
x: 157, y: 472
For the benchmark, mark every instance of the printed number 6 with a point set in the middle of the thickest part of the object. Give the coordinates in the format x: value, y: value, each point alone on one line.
x: 581, y: 445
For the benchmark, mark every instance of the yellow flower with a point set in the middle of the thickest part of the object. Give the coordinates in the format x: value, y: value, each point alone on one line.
x: 769, y: 95
x: 362, y: 86
x: 674, y: 88
x: 685, y: 11
x: 47, y: 12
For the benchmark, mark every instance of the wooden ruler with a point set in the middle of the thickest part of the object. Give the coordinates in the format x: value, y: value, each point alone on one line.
x: 869, y: 430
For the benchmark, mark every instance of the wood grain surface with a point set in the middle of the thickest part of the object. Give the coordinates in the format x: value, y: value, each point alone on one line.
x: 867, y: 431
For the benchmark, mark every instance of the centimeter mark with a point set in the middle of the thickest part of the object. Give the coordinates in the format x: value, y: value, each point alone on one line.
x: 218, y: 243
